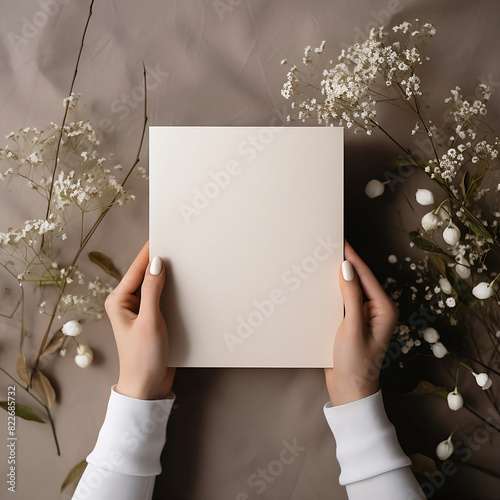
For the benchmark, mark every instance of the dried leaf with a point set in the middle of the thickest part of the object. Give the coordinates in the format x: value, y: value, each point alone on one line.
x: 74, y: 474
x: 44, y: 388
x: 422, y: 464
x: 22, y: 370
x: 423, y: 244
x: 23, y: 411
x: 55, y: 343
x: 105, y: 263
x: 425, y: 387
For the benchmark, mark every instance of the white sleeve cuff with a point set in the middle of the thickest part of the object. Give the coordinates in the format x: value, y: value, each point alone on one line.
x: 132, y: 436
x: 367, y: 444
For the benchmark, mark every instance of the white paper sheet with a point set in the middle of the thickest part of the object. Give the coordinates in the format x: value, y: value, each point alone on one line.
x: 249, y: 223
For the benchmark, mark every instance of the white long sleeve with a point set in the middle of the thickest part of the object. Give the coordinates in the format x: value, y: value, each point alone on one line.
x: 372, y: 463
x: 126, y: 457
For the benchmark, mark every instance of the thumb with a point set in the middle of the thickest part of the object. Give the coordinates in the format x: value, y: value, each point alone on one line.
x: 151, y: 288
x: 351, y: 293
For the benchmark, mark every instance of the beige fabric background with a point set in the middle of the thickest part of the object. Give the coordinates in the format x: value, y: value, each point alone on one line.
x: 211, y: 67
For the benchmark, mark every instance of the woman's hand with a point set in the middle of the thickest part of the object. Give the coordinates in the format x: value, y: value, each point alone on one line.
x: 363, y: 335
x: 140, y: 330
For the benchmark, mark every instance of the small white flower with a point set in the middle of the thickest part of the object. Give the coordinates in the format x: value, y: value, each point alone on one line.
x: 483, y: 380
x: 451, y: 234
x: 455, y: 400
x: 450, y: 302
x: 445, y: 449
x: 445, y: 285
x: 84, y: 356
x: 430, y: 335
x: 439, y: 350
x: 392, y: 259
x: 374, y: 188
x: 463, y: 267
x: 430, y: 221
x: 482, y: 291
x: 424, y: 197
x: 72, y: 328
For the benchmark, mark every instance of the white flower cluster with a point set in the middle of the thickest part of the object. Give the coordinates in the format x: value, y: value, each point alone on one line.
x: 347, y: 92
x: 83, y: 184
x: 81, y: 298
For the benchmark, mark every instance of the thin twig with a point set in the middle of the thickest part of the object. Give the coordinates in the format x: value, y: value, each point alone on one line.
x: 40, y: 402
x: 66, y: 109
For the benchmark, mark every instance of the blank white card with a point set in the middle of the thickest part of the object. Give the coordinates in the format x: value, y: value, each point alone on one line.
x: 249, y: 221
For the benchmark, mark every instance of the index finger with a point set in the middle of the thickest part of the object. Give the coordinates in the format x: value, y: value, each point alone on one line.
x: 369, y: 283
x: 133, y: 278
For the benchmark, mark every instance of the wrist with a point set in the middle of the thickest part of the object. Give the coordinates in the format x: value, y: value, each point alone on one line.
x: 145, y: 390
x: 346, y: 394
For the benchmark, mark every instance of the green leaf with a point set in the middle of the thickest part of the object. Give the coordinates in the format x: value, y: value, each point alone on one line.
x: 466, y: 185
x: 425, y: 387
x: 44, y: 388
x: 477, y: 228
x: 74, y: 474
x: 105, y: 263
x: 50, y: 277
x: 422, y: 464
x: 23, y: 411
x: 423, y: 244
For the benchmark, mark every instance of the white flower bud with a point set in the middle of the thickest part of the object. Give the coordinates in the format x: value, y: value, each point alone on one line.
x: 72, y: 328
x: 463, y: 267
x: 84, y: 356
x: 430, y: 221
x: 445, y: 449
x: 439, y: 350
x: 445, y: 285
x: 483, y: 380
x: 451, y: 234
x: 424, y: 197
x: 455, y: 400
x: 430, y: 335
x: 482, y: 291
x: 374, y: 188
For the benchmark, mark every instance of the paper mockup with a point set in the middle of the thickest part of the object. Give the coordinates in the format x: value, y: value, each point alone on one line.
x: 249, y: 223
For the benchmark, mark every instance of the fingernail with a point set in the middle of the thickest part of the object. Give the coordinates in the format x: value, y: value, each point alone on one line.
x: 347, y: 271
x: 156, y: 266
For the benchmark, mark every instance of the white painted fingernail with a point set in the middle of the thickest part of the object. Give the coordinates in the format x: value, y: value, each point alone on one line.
x: 347, y: 271
x: 156, y: 266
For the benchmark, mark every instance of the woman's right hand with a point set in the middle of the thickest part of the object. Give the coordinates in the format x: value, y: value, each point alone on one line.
x: 364, y: 334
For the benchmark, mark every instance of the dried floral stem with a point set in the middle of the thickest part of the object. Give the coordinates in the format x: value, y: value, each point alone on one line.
x: 66, y: 109
x: 92, y: 230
